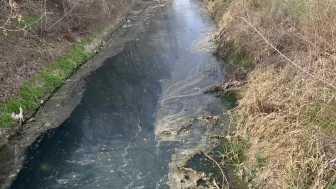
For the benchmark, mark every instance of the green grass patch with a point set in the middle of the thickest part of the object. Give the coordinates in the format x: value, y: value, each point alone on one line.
x: 88, y: 39
x: 230, y: 100
x: 50, y: 81
x: 299, y: 7
x: 321, y: 116
x: 240, y: 57
x: 234, y: 149
x: 261, y: 162
x: 235, y: 52
x: 332, y: 183
x: 6, y: 120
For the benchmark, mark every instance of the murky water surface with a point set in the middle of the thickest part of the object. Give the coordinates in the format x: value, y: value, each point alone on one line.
x: 110, y: 139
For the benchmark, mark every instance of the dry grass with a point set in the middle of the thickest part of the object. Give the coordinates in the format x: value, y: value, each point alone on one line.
x: 288, y: 120
x: 288, y: 108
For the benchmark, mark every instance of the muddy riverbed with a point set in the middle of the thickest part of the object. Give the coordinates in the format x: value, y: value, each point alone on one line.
x: 134, y: 115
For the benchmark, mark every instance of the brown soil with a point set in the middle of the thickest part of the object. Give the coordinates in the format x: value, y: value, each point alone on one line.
x: 25, y: 51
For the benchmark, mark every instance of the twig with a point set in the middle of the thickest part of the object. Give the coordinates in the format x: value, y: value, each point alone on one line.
x: 224, y: 177
x: 289, y: 60
x: 214, y: 182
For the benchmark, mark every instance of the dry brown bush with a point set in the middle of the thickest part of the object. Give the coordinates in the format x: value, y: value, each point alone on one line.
x: 60, y: 16
x: 288, y: 108
x: 82, y: 16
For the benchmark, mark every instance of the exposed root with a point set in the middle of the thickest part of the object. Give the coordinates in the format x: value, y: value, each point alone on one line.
x: 219, y: 166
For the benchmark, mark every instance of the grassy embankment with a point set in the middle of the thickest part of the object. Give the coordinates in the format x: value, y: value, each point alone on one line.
x: 286, y: 52
x: 45, y: 82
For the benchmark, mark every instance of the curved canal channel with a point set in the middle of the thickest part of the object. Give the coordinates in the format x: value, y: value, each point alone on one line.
x: 136, y: 115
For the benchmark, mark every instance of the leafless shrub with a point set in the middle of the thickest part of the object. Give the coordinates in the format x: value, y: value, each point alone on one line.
x: 58, y: 17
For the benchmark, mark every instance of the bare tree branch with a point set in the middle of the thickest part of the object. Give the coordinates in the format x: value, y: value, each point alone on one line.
x: 218, y: 165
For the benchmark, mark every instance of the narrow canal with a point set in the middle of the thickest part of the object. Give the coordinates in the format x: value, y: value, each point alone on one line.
x: 126, y: 130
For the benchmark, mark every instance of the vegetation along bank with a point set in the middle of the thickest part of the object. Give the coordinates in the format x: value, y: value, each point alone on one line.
x: 282, y: 57
x: 43, y: 43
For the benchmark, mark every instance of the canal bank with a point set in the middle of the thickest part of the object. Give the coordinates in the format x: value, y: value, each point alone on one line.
x: 286, y: 111
x: 60, y: 104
